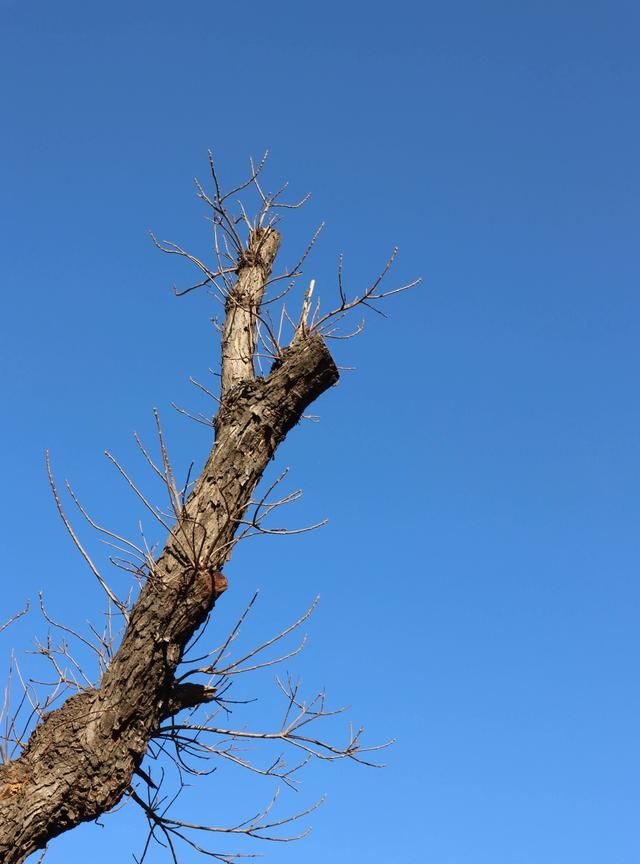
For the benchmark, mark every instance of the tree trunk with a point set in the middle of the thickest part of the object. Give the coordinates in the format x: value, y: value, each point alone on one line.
x: 80, y: 760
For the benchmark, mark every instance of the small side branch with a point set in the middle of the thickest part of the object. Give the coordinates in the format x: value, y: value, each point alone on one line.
x: 368, y: 298
x: 15, y: 617
x: 118, y: 603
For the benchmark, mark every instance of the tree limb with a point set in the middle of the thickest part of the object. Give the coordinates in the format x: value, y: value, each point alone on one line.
x: 80, y: 760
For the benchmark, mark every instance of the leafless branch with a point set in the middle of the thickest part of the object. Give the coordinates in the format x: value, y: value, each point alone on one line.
x: 80, y: 547
x: 371, y: 295
x: 15, y: 617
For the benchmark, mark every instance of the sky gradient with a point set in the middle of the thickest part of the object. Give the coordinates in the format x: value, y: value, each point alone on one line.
x: 480, y: 467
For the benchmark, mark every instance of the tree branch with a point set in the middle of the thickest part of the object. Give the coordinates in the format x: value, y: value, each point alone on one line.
x: 81, y: 759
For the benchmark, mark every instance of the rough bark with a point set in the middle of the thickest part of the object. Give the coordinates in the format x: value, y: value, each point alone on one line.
x: 80, y: 760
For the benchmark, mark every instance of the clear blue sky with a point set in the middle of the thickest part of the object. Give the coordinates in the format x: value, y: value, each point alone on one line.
x: 479, y: 576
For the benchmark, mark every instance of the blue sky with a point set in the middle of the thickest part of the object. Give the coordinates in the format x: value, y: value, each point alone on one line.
x: 480, y: 468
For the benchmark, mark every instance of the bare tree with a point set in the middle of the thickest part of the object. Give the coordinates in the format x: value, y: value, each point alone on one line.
x: 73, y: 747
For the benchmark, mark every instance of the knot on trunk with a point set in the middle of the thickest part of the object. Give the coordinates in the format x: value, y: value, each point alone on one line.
x: 187, y: 695
x: 208, y: 585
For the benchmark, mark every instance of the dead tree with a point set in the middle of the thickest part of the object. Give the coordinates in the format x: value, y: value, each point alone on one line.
x: 69, y: 764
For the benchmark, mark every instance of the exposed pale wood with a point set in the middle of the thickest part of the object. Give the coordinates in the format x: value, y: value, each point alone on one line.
x: 242, y: 305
